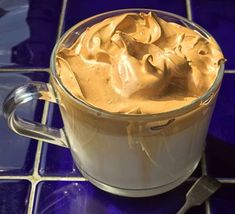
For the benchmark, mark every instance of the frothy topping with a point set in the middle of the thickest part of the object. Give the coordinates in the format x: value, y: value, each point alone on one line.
x: 139, y: 64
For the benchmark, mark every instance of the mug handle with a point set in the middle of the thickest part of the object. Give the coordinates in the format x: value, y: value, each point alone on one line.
x: 32, y: 129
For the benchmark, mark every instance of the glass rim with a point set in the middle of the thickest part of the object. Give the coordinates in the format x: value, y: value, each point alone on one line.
x: 164, y: 115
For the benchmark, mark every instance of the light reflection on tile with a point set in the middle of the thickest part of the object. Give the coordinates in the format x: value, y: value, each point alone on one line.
x: 17, y: 153
x: 28, y: 32
x: 15, y: 13
x: 83, y: 197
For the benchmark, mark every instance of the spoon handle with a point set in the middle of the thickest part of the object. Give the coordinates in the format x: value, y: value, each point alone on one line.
x: 184, y: 208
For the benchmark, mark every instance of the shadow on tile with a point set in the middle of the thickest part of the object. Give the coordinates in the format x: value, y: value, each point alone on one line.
x: 223, y: 201
x: 220, y: 158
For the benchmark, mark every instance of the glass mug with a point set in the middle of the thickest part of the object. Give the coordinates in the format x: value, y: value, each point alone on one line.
x: 128, y: 155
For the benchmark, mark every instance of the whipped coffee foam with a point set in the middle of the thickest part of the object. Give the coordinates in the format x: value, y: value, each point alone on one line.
x: 137, y: 63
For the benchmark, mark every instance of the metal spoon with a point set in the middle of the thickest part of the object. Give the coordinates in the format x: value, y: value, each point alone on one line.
x: 201, y: 190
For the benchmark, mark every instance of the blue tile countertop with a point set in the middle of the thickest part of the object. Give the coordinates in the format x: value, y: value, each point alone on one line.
x: 36, y: 177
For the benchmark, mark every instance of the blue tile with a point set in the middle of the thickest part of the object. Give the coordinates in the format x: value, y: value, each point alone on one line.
x: 14, y: 195
x: 55, y: 160
x: 82, y: 197
x: 28, y: 32
x: 79, y: 10
x: 218, y: 18
x: 221, y: 137
x: 223, y: 201
x: 12, y: 145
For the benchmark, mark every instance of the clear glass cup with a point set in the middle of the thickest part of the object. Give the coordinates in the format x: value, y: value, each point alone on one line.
x: 128, y: 155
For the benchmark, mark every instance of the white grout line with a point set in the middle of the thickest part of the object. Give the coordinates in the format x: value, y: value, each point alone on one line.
x: 63, y: 178
x: 14, y: 177
x: 2, y: 70
x: 77, y: 178
x: 61, y: 22
x: 44, y: 118
x: 39, y: 148
x: 189, y: 9
x: 229, y: 71
x: 31, y: 197
x: 37, y: 179
x: 35, y: 176
x: 226, y: 180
